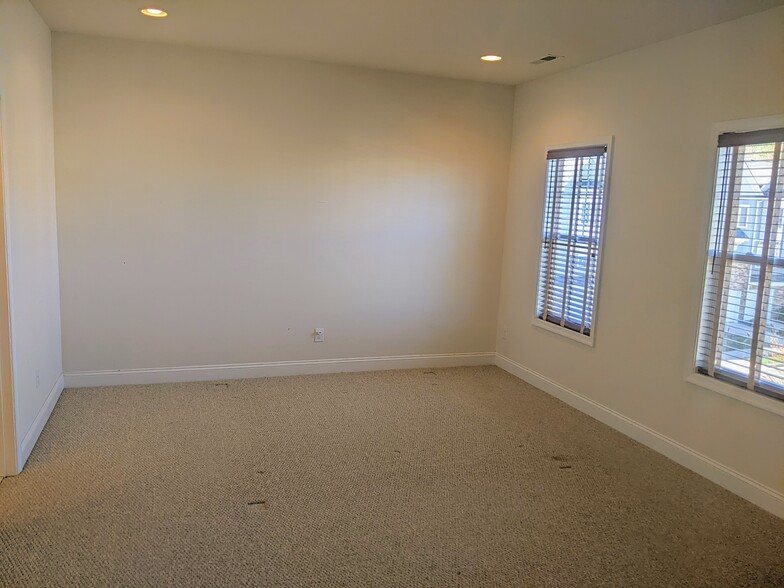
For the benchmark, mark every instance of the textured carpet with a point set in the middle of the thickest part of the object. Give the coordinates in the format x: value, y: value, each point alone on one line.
x: 445, y: 477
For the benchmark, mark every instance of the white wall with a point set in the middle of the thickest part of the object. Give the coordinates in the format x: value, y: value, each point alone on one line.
x: 660, y: 103
x: 215, y: 207
x: 26, y: 117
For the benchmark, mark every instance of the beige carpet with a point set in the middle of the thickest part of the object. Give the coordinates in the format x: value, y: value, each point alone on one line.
x: 446, y: 477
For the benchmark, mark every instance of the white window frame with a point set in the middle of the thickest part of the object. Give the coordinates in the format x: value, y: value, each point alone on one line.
x: 706, y: 382
x: 589, y: 340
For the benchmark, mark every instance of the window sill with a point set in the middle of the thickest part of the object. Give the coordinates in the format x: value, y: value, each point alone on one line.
x: 742, y: 394
x: 564, y: 332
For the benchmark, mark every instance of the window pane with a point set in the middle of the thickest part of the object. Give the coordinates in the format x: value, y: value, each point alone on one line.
x: 742, y: 327
x: 772, y: 366
x: 735, y: 331
x: 570, y: 243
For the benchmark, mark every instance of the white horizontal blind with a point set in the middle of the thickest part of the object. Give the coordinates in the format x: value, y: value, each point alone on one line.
x: 571, y: 236
x: 741, y: 336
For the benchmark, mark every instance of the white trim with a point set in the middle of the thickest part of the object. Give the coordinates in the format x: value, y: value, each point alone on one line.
x: 7, y: 397
x: 28, y: 441
x: 199, y: 373
x: 563, y: 331
x: 738, y: 393
x: 608, y: 140
x: 740, y: 484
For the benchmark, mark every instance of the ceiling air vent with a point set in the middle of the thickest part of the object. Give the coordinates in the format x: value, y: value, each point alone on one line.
x: 546, y: 58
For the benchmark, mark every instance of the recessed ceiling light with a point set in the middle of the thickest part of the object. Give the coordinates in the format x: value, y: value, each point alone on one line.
x: 491, y: 58
x: 154, y: 12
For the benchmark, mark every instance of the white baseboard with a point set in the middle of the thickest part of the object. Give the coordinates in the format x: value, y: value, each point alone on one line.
x: 273, y: 368
x: 756, y: 493
x: 28, y: 441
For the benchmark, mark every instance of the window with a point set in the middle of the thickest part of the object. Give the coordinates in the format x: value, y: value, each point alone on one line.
x: 741, y: 337
x: 571, y: 239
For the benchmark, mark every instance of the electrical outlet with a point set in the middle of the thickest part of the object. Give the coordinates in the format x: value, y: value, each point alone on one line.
x: 37, y: 378
x: 318, y: 335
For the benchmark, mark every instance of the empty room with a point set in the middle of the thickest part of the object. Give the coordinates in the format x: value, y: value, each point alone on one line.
x: 378, y: 293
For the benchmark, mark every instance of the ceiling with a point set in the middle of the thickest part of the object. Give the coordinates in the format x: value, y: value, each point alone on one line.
x: 436, y: 37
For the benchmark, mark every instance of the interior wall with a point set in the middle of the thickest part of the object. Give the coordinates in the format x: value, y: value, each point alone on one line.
x: 660, y: 103
x: 215, y: 207
x: 31, y: 230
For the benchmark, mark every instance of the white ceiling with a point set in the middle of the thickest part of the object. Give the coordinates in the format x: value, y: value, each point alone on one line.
x: 437, y: 37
